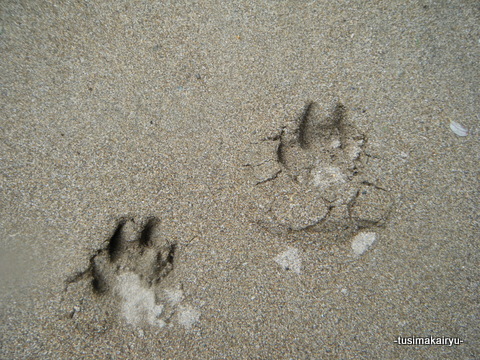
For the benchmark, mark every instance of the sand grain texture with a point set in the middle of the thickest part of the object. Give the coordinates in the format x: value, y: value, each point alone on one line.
x: 168, y: 110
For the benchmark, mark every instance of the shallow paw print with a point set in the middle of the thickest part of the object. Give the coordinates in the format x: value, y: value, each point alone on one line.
x: 317, y: 185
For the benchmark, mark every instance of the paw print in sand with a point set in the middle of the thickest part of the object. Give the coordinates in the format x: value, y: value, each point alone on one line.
x: 310, y: 178
x: 133, y: 248
x: 127, y: 275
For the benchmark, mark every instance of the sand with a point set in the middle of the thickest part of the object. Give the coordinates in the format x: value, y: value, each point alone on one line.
x: 228, y: 124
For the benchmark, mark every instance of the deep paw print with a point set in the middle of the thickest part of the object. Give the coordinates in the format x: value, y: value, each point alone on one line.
x: 127, y: 276
x: 135, y: 247
x: 311, y: 178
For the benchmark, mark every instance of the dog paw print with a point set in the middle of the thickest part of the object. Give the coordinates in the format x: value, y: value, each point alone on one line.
x: 310, y: 178
x: 135, y: 247
x: 129, y: 272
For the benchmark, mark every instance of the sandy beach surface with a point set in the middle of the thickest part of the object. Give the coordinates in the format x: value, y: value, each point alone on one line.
x: 239, y: 180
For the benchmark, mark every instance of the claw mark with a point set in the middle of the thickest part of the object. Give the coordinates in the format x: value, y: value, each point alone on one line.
x: 145, y: 237
x: 302, y: 126
x: 115, y: 241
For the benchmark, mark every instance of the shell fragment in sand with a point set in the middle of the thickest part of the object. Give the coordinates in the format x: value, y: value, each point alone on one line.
x: 458, y: 129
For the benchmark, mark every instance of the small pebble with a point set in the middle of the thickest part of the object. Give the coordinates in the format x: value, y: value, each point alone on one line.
x: 362, y: 242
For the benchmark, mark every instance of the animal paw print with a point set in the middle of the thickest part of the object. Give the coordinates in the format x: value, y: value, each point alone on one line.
x: 135, y: 247
x: 129, y: 271
x: 130, y: 276
x: 311, y: 178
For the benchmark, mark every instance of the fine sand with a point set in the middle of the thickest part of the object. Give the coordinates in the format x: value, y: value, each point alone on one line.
x: 239, y: 180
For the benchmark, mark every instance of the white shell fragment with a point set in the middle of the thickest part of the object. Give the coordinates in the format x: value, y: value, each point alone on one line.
x: 362, y: 242
x: 458, y: 129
